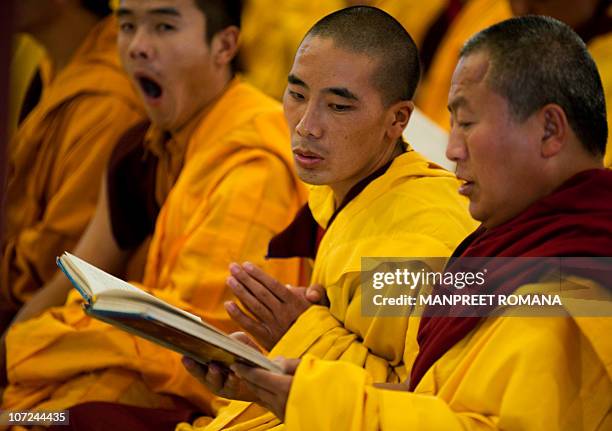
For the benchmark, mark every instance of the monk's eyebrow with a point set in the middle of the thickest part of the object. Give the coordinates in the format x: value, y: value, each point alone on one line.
x: 165, y: 11
x: 457, y: 103
x: 292, y: 79
x: 123, y: 12
x: 338, y: 91
x: 342, y: 92
x: 162, y: 11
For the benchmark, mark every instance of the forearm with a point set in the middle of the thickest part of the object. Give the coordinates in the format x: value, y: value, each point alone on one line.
x: 52, y: 295
x: 319, y: 334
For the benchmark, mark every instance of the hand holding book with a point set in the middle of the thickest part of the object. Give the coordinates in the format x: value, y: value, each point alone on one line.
x: 220, y: 380
x: 120, y: 304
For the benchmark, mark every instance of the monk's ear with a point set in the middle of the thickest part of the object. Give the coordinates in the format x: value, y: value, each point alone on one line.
x: 225, y: 45
x: 398, y: 115
x: 553, y: 129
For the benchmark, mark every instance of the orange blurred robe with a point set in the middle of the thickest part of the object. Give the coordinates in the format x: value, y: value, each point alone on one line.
x: 477, y: 15
x: 57, y: 158
x: 272, y: 32
x: 236, y: 189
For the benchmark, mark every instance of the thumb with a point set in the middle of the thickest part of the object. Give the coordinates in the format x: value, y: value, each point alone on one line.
x: 245, y: 339
x: 289, y: 365
x: 316, y: 295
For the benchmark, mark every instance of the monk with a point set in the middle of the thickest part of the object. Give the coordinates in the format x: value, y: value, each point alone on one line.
x: 211, y: 179
x: 347, y: 103
x: 591, y: 19
x: 528, y: 139
x: 58, y: 154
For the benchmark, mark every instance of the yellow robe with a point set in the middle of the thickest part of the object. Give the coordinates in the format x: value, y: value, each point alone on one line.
x: 432, y: 97
x: 509, y: 373
x: 272, y: 32
x: 57, y: 159
x: 413, y: 210
x: 236, y: 190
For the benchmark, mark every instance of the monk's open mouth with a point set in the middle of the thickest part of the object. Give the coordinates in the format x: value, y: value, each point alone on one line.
x: 149, y: 87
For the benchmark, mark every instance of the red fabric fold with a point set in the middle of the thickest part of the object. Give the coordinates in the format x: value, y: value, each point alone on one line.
x: 105, y: 416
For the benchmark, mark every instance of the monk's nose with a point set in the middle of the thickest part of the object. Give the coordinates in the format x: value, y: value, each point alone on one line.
x: 140, y: 47
x: 456, y: 149
x: 309, y: 124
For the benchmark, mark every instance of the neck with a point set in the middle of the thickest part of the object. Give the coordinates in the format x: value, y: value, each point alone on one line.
x: 554, y: 178
x: 576, y: 166
x: 216, y: 89
x: 342, y: 189
x: 62, y: 37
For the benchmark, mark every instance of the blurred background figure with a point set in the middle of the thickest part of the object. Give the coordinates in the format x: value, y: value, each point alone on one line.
x: 75, y: 105
x: 591, y: 19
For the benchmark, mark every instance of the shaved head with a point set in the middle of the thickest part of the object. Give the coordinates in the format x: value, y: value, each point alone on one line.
x: 536, y: 60
x: 371, y: 31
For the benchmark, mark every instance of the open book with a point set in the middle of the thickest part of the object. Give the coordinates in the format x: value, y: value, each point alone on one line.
x: 120, y: 304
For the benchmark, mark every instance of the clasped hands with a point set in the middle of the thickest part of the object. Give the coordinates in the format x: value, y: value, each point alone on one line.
x: 274, y: 307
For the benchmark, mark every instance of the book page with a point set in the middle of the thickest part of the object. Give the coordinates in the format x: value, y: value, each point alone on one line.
x: 101, y: 283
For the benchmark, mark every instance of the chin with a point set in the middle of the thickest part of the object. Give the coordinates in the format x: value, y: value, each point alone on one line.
x: 310, y: 177
x: 477, y: 214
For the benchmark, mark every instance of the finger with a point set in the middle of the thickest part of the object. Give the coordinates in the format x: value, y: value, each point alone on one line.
x: 298, y: 293
x: 259, y: 330
x: 316, y: 294
x: 196, y: 370
x: 290, y: 365
x: 257, y: 289
x: 215, y: 378
x: 259, y: 377
x: 252, y: 302
x: 278, y: 289
x: 231, y: 386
